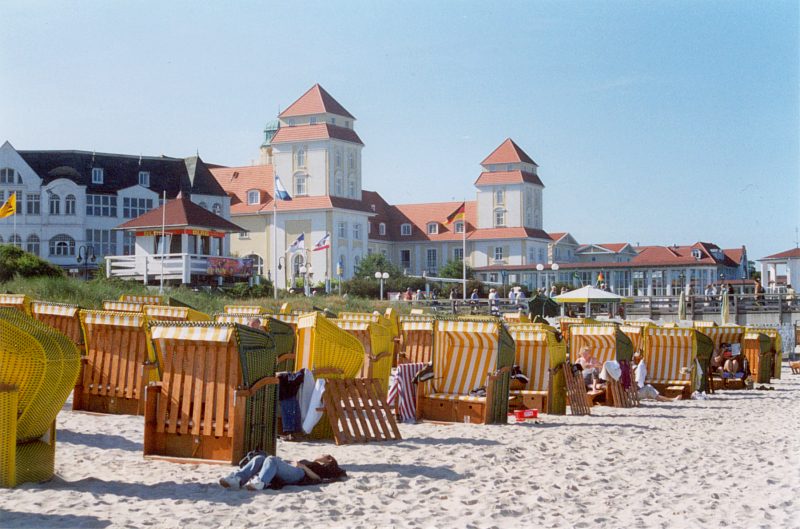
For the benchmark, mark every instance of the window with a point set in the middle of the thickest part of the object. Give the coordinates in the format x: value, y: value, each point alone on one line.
x: 459, y: 226
x: 290, y: 122
x: 15, y: 240
x: 351, y: 187
x: 301, y: 157
x: 369, y: 228
x: 7, y: 176
x: 33, y: 204
x: 510, y: 167
x: 541, y: 255
x: 62, y: 246
x: 333, y: 121
x: 338, y: 189
x: 356, y: 262
x: 405, y: 229
x: 338, y: 159
x: 103, y: 241
x: 382, y: 228
x: 499, y: 218
x: 253, y: 197
x: 405, y: 259
x: 356, y: 231
x: 347, y: 124
x: 101, y: 205
x: 32, y: 245
x: 696, y: 253
x: 431, y: 262
x: 498, y: 253
x: 69, y: 205
x: 351, y: 160
x: 458, y: 254
x: 433, y: 228
x: 55, y: 204
x: 144, y: 178
x: 499, y: 197
x: 133, y: 207
x: 300, y: 185
x: 128, y: 243
x: 244, y: 236
x: 312, y: 120
x: 216, y: 208
x: 342, y: 229
x: 97, y: 175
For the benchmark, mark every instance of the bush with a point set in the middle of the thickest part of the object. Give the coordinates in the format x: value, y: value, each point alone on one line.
x: 16, y: 261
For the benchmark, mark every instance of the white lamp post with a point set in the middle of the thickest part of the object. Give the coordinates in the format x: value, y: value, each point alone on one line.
x: 381, y: 276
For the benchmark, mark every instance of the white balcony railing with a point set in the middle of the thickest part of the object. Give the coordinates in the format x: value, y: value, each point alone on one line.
x: 151, y: 267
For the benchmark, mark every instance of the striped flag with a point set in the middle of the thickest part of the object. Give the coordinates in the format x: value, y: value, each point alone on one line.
x: 299, y: 243
x: 10, y: 207
x: 280, y: 191
x: 323, y: 243
x: 458, y: 214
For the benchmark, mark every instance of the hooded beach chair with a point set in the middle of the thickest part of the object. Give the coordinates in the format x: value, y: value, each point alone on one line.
x: 565, y: 322
x: 538, y: 352
x: 776, y: 345
x: 607, y: 342
x: 167, y: 313
x: 117, y: 365
x: 635, y: 334
x: 123, y: 306
x: 703, y: 325
x: 16, y: 301
x: 720, y: 334
x: 255, y: 310
x: 217, y: 396
x: 378, y: 348
x: 757, y: 348
x: 670, y: 354
x: 416, y: 339
x: 150, y: 299
x: 38, y: 368
x: 62, y: 317
x: 516, y: 317
x: 280, y: 331
x: 472, y: 362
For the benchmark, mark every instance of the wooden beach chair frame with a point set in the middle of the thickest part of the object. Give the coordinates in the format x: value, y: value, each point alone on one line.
x: 607, y: 342
x: 62, y: 317
x: 416, y: 339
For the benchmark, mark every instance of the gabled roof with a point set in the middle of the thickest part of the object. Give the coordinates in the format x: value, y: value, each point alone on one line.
x: 507, y: 177
x: 794, y: 252
x: 507, y: 233
x: 179, y: 213
x: 508, y: 152
x: 317, y: 131
x: 419, y: 215
x: 557, y: 236
x: 315, y: 101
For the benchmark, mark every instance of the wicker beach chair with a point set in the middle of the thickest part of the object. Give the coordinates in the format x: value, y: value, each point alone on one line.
x: 282, y: 333
x: 703, y: 325
x: 217, y: 397
x: 167, y: 313
x: 565, y: 322
x: 118, y: 363
x: 516, y: 317
x: 378, y: 348
x: 607, y: 342
x: 38, y: 368
x: 61, y: 317
x: 16, y: 301
x: 670, y: 354
x: 538, y: 353
x: 469, y: 353
x: 635, y: 334
x: 416, y: 339
x: 757, y: 348
x: 776, y: 346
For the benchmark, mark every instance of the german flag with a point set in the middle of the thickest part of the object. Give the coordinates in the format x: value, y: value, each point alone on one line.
x: 458, y: 214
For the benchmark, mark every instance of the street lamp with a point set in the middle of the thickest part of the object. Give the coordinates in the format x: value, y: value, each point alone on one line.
x: 86, y: 253
x: 381, y: 276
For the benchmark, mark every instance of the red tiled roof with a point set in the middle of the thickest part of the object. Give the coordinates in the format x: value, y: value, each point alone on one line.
x: 507, y: 177
x: 419, y: 215
x: 615, y: 247
x: 794, y: 252
x: 315, y: 101
x: 508, y: 152
x: 557, y: 236
x: 181, y: 212
x: 317, y: 131
x: 734, y: 254
x: 506, y: 233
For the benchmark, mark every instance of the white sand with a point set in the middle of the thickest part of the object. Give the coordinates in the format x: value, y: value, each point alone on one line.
x: 727, y: 462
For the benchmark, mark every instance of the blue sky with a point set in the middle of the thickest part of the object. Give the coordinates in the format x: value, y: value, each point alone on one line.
x: 654, y: 122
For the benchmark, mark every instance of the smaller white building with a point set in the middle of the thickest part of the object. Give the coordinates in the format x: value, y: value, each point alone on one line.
x: 781, y: 269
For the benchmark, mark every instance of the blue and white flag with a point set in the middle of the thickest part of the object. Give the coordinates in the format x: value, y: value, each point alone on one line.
x: 299, y: 243
x: 323, y: 243
x: 280, y: 191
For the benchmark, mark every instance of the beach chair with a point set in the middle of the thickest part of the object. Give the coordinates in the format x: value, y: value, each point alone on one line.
x: 607, y: 342
x: 469, y: 353
x: 123, y: 306
x: 538, y: 352
x: 166, y: 313
x: 62, y: 317
x: 703, y: 325
x: 117, y: 365
x: 151, y: 299
x: 635, y: 334
x: 378, y: 348
x: 416, y: 339
x: 565, y: 322
x: 38, y: 368
x: 670, y: 355
x: 16, y: 301
x: 281, y: 332
x: 216, y: 399
x: 719, y: 335
x: 757, y: 348
x: 776, y: 346
x: 255, y: 310
x: 516, y: 317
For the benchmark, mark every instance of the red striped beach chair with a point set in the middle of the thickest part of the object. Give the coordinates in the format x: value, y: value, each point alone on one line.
x: 469, y: 353
x: 670, y: 355
x: 537, y: 352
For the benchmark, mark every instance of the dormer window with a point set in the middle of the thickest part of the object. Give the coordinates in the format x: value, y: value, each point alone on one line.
x: 312, y: 120
x: 433, y: 228
x: 346, y: 124
x: 144, y: 178
x: 382, y: 228
x: 290, y: 122
x: 696, y: 253
x: 333, y: 121
x: 459, y: 226
x: 217, y: 208
x: 405, y: 229
x: 97, y: 175
x: 509, y: 167
x: 253, y: 197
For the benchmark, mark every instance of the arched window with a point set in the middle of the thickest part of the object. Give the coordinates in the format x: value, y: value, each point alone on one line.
x: 301, y: 157
x: 15, y: 240
x: 32, y: 244
x: 62, y: 246
x: 69, y: 205
x: 382, y: 228
x: 217, y: 208
x: 499, y: 218
x: 297, y: 262
x: 300, y: 187
x: 55, y: 204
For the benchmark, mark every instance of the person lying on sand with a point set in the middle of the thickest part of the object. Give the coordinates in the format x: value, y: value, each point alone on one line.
x: 259, y: 471
x: 646, y: 391
x: 591, y: 367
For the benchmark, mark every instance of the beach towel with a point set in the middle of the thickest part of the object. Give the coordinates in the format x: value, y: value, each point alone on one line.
x: 313, y: 415
x: 402, y: 394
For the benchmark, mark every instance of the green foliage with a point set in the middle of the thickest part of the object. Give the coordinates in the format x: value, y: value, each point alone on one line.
x: 375, y: 262
x: 244, y: 290
x: 453, y: 269
x: 16, y: 261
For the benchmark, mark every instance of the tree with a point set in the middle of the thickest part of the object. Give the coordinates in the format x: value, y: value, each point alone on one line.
x: 453, y: 269
x: 375, y: 262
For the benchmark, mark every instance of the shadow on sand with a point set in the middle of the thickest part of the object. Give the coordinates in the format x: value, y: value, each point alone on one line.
x: 28, y: 520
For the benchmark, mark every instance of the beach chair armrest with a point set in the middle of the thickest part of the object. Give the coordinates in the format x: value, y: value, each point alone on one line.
x: 284, y: 357
x: 327, y: 371
x: 384, y: 354
x: 260, y: 383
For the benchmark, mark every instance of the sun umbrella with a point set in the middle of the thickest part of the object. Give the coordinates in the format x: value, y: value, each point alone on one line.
x: 589, y: 295
x: 682, y: 306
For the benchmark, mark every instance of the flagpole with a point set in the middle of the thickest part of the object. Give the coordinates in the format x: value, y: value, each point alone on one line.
x: 464, y: 254
x: 15, y: 220
x: 275, y: 240
x: 163, y: 240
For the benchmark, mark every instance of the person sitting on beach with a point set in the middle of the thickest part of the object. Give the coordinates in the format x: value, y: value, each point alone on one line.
x: 591, y: 368
x: 646, y: 391
x: 725, y: 362
x: 254, y: 323
x: 262, y: 471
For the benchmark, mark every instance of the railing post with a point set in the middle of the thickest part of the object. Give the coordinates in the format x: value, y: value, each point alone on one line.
x: 108, y: 268
x: 187, y: 271
x: 144, y: 272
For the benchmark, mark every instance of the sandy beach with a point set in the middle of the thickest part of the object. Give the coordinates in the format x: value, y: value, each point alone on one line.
x: 731, y: 461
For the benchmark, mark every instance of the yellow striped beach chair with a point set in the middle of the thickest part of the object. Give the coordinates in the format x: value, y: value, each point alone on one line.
x: 703, y: 325
x: 255, y: 310
x: 564, y: 324
x: 217, y: 397
x: 123, y: 306
x: 516, y: 317
x: 38, y: 368
x: 670, y: 355
x: 150, y: 299
x: 61, y: 317
x: 16, y: 301
x: 118, y: 364
x: 635, y: 334
x: 469, y: 353
x: 537, y: 352
x: 167, y: 313
x: 776, y: 345
x: 607, y: 342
